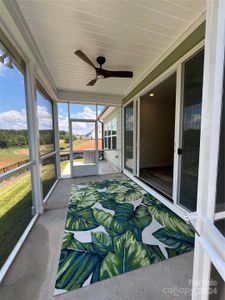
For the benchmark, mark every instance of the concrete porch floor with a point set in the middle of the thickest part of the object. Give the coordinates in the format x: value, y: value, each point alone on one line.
x: 32, y: 275
x: 104, y: 167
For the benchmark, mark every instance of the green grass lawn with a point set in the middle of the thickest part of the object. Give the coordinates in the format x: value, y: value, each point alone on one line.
x: 63, y: 146
x: 15, y: 213
x: 16, y: 205
x: 48, y: 177
x: 13, y: 155
x: 63, y: 165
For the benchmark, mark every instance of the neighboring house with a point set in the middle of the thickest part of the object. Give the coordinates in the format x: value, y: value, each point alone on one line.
x: 89, y: 135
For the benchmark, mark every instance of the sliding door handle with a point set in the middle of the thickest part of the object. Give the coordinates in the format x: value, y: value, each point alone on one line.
x: 179, y: 151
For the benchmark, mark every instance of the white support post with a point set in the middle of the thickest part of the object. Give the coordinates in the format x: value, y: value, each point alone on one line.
x: 177, y: 134
x: 96, y: 144
x: 122, y: 138
x: 138, y: 114
x: 33, y: 133
x: 209, y: 142
x: 70, y: 141
x: 135, y: 137
x: 56, y: 136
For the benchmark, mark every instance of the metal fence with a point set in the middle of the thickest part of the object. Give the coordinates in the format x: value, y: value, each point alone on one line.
x: 13, y: 166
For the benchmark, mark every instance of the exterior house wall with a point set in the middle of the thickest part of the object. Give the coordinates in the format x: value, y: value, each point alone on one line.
x: 166, y: 67
x: 189, y: 43
x: 114, y: 156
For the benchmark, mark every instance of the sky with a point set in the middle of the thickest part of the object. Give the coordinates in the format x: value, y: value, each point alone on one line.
x: 12, y: 99
x: 13, y: 106
x: 78, y: 111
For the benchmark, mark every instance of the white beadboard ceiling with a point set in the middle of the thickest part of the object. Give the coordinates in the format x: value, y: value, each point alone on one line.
x: 130, y: 34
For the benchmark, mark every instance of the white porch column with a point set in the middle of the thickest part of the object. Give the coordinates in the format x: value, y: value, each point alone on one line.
x: 209, y: 143
x: 56, y: 137
x: 33, y: 131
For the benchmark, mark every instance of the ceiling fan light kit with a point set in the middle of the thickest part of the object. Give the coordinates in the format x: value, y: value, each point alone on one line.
x: 100, y: 72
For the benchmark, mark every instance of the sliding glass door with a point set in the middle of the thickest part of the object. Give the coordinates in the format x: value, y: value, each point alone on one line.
x: 128, y: 136
x: 162, y: 134
x: 191, y: 128
x: 157, y: 125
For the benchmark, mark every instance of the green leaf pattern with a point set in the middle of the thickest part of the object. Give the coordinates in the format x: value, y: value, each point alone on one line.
x: 114, y: 227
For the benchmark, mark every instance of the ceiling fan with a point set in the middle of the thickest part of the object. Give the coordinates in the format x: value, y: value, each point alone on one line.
x: 100, y: 72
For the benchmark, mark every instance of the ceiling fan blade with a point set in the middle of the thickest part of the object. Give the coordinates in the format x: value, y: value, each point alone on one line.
x: 92, y: 82
x: 122, y: 74
x: 83, y: 56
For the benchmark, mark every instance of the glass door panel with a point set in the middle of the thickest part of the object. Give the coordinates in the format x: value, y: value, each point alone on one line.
x: 192, y: 105
x: 220, y: 195
x: 157, y: 126
x: 84, y: 148
x: 128, y: 136
x: 216, y: 285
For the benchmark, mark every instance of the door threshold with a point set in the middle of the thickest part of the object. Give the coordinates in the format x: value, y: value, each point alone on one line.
x: 180, y: 211
x: 169, y: 198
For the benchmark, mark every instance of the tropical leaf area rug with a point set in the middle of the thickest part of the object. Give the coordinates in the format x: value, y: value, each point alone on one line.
x: 113, y: 227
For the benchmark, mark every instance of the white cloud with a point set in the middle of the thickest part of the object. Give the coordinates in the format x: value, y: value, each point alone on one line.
x: 44, y: 118
x: 87, y: 113
x: 80, y: 128
x: 2, y: 69
x: 63, y: 123
x: 13, y: 119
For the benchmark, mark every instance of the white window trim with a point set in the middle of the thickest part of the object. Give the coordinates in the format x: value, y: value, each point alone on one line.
x: 55, y: 152
x: 111, y: 135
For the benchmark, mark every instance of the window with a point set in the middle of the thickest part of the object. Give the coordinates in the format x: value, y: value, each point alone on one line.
x: 110, y: 134
x: 14, y: 150
x: 157, y: 123
x: 48, y: 173
x: 220, y: 195
x: 15, y: 210
x: 15, y: 190
x: 45, y: 124
x: 128, y: 136
x: 64, y: 139
x: 220, y: 190
x: 46, y: 139
x: 191, y: 131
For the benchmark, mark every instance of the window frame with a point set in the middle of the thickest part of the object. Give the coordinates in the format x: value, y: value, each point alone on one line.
x: 28, y: 72
x: 108, y: 127
x: 53, y: 153
x: 21, y: 66
x: 46, y: 97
